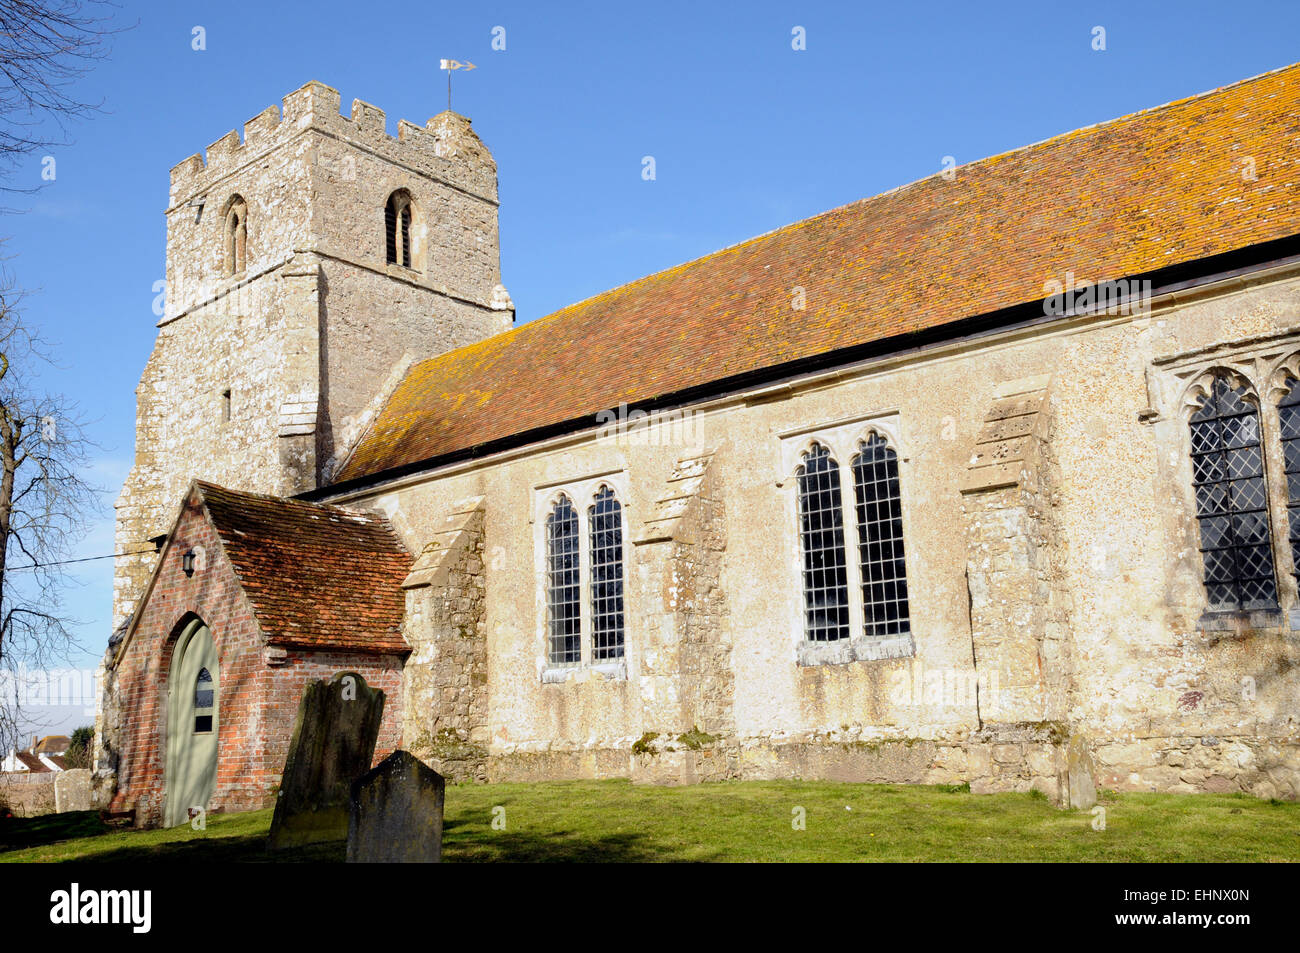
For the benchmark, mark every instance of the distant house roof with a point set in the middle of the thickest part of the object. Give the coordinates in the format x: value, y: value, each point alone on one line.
x: 52, y: 744
x: 1202, y: 176
x: 317, y: 576
x: 33, y: 762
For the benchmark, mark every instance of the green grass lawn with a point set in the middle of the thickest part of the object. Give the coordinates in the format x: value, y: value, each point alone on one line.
x: 740, y: 821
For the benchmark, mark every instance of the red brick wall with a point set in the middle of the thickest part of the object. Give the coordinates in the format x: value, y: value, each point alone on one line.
x: 259, y: 688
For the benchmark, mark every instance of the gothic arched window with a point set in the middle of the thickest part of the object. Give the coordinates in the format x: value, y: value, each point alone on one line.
x: 1288, y: 418
x: 397, y: 229
x: 821, y: 534
x: 204, y: 702
x: 880, y: 539
x: 1232, y: 500
x: 605, y: 517
x: 236, y: 227
x: 563, y: 600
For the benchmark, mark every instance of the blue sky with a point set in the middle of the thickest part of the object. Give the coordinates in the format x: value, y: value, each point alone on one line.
x: 747, y: 133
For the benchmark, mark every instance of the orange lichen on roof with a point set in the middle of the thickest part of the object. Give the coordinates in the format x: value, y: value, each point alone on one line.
x: 1210, y: 174
x: 317, y: 576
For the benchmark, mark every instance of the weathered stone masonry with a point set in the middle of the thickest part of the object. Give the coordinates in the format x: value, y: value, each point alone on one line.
x: 687, y: 529
x: 1019, y: 609
x: 304, y: 335
x: 446, y: 677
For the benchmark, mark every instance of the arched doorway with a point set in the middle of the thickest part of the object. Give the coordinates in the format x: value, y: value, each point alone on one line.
x: 193, y: 694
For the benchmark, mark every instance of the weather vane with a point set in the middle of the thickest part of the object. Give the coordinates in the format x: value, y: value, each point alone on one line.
x: 450, y: 66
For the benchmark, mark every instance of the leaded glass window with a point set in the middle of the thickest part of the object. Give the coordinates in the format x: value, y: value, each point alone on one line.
x: 880, y: 539
x: 563, y: 589
x: 204, y: 701
x: 1231, y: 500
x: 1288, y: 416
x: 821, y: 530
x: 605, y: 517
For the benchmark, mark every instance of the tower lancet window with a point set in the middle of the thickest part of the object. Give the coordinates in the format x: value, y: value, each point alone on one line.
x: 397, y: 228
x: 236, y: 226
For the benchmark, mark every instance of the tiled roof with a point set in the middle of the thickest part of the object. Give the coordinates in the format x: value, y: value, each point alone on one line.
x: 33, y: 762
x: 1161, y: 187
x: 317, y: 576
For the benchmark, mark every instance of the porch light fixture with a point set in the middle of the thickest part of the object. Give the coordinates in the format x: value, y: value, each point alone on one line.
x: 187, y: 562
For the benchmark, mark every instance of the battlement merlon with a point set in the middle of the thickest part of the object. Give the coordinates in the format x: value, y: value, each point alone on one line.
x: 446, y: 148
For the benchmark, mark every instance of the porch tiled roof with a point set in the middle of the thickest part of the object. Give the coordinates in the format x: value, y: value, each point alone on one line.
x: 317, y: 576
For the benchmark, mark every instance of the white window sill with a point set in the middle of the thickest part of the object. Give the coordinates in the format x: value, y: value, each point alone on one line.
x: 863, y: 648
x: 606, y: 671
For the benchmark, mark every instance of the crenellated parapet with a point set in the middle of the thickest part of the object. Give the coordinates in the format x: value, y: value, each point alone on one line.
x: 446, y: 148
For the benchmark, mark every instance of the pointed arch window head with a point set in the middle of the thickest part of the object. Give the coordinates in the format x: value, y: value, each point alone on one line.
x: 1232, y: 499
x: 605, y: 520
x: 397, y: 228
x: 821, y: 534
x: 879, y: 511
x: 563, y: 584
x: 236, y: 236
x: 204, y: 702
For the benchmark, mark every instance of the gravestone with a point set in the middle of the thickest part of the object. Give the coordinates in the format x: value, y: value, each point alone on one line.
x: 1081, y: 771
x: 397, y: 813
x: 333, y: 744
x: 72, y: 790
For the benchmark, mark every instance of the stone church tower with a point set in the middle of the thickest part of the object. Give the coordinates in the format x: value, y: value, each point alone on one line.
x: 306, y: 266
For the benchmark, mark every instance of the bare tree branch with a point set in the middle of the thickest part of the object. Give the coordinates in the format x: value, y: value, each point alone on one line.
x: 45, y: 500
x: 46, y: 46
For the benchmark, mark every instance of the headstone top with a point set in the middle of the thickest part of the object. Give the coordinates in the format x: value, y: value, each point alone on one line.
x: 396, y: 813
x: 333, y: 744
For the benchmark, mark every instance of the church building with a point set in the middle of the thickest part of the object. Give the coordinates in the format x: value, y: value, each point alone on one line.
x: 992, y: 478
